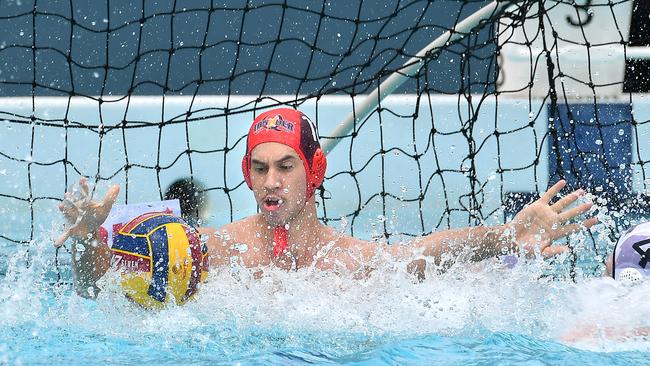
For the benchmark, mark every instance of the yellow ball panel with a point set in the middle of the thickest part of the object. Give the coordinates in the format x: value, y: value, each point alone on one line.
x: 136, y: 287
x: 180, y: 261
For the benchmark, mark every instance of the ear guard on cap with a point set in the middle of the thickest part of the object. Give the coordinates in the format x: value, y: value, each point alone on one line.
x: 317, y: 172
x: 247, y: 171
x: 630, y: 275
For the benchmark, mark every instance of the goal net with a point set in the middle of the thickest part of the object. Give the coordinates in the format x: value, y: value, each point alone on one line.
x: 471, y: 127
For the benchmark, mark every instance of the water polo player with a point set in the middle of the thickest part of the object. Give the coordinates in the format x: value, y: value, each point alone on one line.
x: 630, y: 259
x: 627, y: 264
x: 192, y: 197
x: 283, y: 166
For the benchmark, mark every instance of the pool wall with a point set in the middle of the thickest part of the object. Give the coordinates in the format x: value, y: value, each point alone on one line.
x: 38, y: 159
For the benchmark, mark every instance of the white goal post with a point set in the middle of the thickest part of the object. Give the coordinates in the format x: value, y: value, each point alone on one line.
x: 523, y: 56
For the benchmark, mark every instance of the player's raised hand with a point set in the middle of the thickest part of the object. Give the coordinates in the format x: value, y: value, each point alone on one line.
x: 539, y: 224
x: 84, y: 216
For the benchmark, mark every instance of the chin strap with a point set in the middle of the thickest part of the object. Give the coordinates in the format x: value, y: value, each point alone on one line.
x: 281, y: 240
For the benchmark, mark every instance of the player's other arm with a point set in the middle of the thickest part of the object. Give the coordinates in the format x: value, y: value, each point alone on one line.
x: 90, y: 256
x: 533, y: 230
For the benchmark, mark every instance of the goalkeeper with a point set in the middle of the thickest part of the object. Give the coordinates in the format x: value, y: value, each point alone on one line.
x: 283, y: 166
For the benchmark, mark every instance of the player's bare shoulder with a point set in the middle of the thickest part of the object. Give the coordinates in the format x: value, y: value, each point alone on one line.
x: 222, y: 241
x: 344, y: 253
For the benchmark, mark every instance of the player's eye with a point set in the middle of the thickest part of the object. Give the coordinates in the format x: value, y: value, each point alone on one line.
x: 286, y: 166
x: 259, y: 168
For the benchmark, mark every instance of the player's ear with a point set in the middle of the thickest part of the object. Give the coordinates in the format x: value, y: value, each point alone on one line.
x: 317, y: 172
x: 245, y: 168
x: 609, y: 266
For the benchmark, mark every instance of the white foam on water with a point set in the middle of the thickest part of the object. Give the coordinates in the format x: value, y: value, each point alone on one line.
x: 602, y: 314
x: 466, y: 300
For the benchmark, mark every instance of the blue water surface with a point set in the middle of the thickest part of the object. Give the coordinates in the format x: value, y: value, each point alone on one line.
x: 476, y: 316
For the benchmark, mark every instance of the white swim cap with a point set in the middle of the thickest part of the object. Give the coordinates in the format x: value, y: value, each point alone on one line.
x: 632, y: 254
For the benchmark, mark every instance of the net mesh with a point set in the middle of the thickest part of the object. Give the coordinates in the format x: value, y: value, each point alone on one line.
x: 142, y: 93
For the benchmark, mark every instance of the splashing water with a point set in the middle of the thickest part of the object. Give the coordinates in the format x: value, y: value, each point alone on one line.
x: 470, y: 312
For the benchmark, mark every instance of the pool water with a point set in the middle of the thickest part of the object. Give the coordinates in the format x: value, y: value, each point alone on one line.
x: 479, y: 314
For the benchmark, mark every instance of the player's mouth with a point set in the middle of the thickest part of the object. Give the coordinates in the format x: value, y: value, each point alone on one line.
x: 272, y: 203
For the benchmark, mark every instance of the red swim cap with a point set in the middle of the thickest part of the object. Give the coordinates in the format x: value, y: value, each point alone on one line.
x: 292, y: 128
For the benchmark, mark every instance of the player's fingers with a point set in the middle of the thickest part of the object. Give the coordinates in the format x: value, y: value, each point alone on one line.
x: 84, y: 188
x: 576, y: 211
x: 565, y: 230
x: 111, y: 196
x: 553, y: 250
x: 553, y: 191
x: 590, y: 222
x: 69, y: 201
x: 567, y: 200
x: 59, y: 242
x: 69, y: 211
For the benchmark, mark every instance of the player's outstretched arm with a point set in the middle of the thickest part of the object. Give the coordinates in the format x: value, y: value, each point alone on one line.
x: 90, y: 257
x: 533, y: 230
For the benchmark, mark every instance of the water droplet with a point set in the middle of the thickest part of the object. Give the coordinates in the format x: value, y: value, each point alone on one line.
x: 242, y: 248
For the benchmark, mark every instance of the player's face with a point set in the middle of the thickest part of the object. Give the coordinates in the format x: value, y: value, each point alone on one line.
x: 279, y: 182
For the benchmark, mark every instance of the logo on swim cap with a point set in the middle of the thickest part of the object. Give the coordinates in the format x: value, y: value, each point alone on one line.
x: 292, y: 128
x: 641, y: 247
x: 277, y: 123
